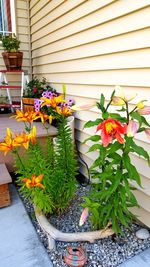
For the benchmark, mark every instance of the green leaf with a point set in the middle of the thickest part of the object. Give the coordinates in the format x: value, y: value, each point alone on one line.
x: 92, y: 123
x: 135, y: 115
x: 102, y: 100
x: 114, y: 147
x: 145, y: 121
x: 140, y: 151
x: 95, y: 147
x: 117, y: 117
x: 105, y: 115
x: 131, y: 170
x: 112, y: 94
x: 94, y: 138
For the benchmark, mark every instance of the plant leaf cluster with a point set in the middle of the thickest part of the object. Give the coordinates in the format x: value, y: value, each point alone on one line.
x: 58, y: 164
x: 111, y: 195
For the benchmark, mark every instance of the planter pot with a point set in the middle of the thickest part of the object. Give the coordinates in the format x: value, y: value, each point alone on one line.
x: 13, y: 60
x: 53, y: 234
x: 28, y: 104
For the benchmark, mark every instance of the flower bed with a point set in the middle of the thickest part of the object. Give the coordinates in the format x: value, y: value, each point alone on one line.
x: 106, y: 252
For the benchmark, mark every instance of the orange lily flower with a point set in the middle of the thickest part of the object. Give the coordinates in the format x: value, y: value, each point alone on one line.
x: 42, y: 116
x: 64, y: 111
x: 34, y: 181
x: 25, y: 116
x: 22, y: 139
x: 53, y: 101
x: 111, y: 129
x: 9, y: 144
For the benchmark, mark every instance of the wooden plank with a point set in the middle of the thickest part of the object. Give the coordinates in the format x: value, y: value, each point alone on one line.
x: 5, y: 177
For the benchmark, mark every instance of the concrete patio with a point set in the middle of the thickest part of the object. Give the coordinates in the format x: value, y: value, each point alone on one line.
x: 20, y: 245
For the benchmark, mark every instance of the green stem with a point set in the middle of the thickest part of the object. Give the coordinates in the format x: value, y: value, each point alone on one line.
x: 16, y: 152
x: 127, y: 111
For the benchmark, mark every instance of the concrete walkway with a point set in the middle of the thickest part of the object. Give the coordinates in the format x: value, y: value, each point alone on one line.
x: 141, y: 260
x: 19, y: 243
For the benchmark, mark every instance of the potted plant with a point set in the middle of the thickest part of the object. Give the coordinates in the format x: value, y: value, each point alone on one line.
x: 12, y: 57
x: 33, y: 92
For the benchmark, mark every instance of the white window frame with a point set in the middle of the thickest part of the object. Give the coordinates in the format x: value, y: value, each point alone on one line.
x: 13, y: 17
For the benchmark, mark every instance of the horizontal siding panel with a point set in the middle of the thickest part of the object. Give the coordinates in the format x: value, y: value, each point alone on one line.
x: 24, y: 38
x: 22, y: 29
x: 48, y: 25
x: 21, y: 4
x: 143, y: 215
x: 22, y: 13
x: 128, y: 41
x: 142, y: 199
x: 22, y: 21
x: 89, y: 92
x: 118, y: 26
x: 132, y: 59
x: 45, y: 5
x: 50, y: 13
x: 130, y: 77
x: 33, y: 3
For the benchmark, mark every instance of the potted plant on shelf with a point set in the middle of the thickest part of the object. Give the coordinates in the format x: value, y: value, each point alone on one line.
x: 12, y: 57
x: 33, y: 92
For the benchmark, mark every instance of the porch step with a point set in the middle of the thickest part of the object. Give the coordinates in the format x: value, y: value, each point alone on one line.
x: 5, y: 179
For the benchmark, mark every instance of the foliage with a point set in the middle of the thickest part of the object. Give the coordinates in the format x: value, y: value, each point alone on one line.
x: 36, y: 87
x: 111, y: 195
x: 10, y: 43
x: 46, y: 172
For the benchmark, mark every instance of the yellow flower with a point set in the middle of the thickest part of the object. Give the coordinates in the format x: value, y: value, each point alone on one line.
x: 34, y: 181
x: 66, y: 111
x: 9, y: 144
x: 53, y: 101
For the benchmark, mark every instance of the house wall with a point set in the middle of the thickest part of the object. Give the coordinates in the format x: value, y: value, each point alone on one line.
x: 91, y: 46
x: 22, y: 29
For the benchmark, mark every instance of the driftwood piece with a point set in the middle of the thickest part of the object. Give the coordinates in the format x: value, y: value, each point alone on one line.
x: 54, y: 234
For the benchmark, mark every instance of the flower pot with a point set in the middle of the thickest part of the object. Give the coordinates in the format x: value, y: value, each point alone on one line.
x: 13, y: 60
x: 28, y: 104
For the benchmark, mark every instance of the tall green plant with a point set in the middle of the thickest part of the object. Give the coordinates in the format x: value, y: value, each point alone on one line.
x: 112, y: 195
x: 65, y: 167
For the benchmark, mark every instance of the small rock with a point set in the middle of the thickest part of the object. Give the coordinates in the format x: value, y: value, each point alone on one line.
x: 142, y: 233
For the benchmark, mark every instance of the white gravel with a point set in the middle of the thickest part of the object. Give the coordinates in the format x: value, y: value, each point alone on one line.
x: 107, y: 252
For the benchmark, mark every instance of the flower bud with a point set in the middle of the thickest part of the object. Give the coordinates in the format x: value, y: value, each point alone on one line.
x: 147, y: 131
x: 84, y: 216
x: 117, y: 101
x: 140, y: 105
x: 132, y: 128
x: 144, y: 111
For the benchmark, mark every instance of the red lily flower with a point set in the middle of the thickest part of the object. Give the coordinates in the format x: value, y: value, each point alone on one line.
x: 111, y: 129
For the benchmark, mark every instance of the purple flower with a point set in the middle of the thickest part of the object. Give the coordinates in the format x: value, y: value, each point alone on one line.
x: 37, y: 104
x: 70, y: 101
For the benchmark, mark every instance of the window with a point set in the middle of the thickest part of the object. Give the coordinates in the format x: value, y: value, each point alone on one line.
x: 7, y: 17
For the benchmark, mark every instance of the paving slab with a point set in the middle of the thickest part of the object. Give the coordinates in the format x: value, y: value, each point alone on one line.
x: 140, y: 260
x: 19, y: 243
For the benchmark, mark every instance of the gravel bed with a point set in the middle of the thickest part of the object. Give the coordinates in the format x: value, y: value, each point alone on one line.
x: 107, y: 252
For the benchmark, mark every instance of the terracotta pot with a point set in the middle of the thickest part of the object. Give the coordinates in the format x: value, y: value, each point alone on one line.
x: 28, y: 104
x: 13, y: 60
x: 75, y: 256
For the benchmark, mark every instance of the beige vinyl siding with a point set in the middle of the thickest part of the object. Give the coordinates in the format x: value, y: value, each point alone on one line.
x: 91, y: 46
x: 22, y: 27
